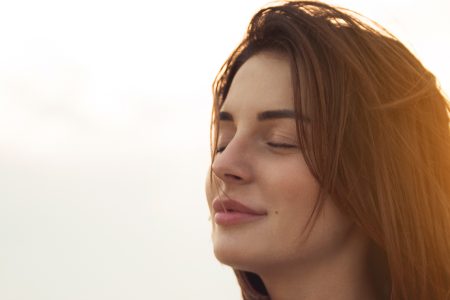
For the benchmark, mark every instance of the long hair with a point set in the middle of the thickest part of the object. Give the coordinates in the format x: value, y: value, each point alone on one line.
x: 378, y: 141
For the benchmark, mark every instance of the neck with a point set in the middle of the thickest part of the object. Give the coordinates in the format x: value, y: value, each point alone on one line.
x: 343, y: 275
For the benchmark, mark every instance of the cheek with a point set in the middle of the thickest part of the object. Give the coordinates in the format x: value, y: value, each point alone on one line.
x: 292, y: 186
x: 292, y: 197
x: 291, y: 193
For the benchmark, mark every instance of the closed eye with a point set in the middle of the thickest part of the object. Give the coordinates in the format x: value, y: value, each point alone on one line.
x: 220, y: 149
x: 281, y: 145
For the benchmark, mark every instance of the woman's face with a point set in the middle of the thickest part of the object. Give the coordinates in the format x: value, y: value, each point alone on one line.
x: 260, y: 166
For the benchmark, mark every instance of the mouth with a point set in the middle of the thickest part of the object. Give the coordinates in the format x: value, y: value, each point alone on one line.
x: 231, y: 212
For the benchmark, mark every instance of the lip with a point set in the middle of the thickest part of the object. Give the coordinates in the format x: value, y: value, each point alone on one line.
x: 232, y: 212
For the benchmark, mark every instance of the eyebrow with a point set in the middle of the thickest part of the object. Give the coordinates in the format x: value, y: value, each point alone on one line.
x: 277, y: 114
x: 266, y: 115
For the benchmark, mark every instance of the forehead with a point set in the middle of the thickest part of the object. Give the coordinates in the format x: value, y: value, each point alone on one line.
x: 263, y: 82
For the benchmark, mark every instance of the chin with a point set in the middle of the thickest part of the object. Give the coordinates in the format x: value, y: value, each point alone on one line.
x: 242, y: 256
x: 228, y: 252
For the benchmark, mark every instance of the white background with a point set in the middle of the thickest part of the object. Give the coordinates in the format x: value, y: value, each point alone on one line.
x: 104, y: 128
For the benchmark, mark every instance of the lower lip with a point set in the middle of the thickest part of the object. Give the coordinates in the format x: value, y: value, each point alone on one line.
x: 233, y: 218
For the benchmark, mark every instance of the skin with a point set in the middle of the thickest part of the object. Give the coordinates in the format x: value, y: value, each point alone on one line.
x: 261, y: 166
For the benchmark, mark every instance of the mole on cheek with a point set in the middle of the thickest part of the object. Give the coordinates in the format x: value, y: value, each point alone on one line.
x: 276, y: 212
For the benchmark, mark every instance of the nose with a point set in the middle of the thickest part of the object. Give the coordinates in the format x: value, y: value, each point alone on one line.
x: 233, y: 164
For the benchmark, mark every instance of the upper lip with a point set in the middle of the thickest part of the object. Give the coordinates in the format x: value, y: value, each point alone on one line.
x: 225, y: 205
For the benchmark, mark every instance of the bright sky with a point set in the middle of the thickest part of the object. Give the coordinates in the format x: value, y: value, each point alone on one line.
x: 104, y: 127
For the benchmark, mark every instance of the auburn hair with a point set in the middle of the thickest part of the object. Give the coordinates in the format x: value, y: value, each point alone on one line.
x: 378, y: 140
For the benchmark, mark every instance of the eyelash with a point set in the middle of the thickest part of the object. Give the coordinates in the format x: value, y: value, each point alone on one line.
x: 281, y: 145
x: 274, y: 145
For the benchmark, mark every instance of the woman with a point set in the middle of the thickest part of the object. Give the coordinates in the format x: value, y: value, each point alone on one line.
x: 330, y: 175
